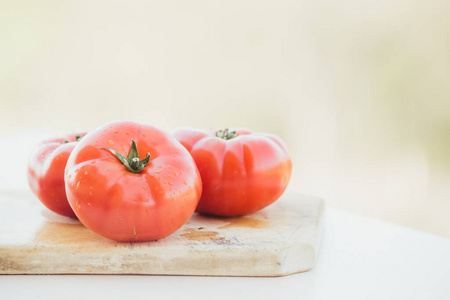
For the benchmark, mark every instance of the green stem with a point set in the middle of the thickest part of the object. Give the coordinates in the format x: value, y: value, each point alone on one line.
x: 132, y: 163
x: 226, y: 134
x: 77, y: 139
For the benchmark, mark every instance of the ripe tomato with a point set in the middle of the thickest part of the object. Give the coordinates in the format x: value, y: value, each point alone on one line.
x: 145, y: 196
x: 46, y: 172
x: 242, y: 171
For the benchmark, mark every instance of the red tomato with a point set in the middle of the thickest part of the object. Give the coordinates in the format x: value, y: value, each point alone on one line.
x: 145, y: 196
x: 46, y: 172
x: 242, y: 172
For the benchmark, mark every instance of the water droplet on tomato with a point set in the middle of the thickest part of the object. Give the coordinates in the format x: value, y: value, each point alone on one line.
x: 78, y: 185
x: 111, y: 143
x: 93, y: 162
x: 85, y: 173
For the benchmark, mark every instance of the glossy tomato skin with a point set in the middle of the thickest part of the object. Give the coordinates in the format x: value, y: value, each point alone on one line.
x: 46, y: 172
x: 124, y: 206
x: 240, y: 175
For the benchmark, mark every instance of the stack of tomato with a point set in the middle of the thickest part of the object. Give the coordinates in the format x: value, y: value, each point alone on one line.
x: 129, y: 181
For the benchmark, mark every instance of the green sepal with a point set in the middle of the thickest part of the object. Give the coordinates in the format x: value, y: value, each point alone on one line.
x: 132, y: 163
x: 226, y: 134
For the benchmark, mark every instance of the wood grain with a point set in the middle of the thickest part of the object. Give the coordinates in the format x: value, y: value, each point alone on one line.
x: 279, y: 240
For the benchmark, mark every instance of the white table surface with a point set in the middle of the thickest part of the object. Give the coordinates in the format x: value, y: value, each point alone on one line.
x: 359, y: 258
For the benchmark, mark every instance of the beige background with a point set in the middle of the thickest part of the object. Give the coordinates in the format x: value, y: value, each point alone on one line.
x: 359, y: 90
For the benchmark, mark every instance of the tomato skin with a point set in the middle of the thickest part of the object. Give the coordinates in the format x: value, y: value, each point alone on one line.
x: 46, y: 172
x: 240, y: 175
x: 124, y: 206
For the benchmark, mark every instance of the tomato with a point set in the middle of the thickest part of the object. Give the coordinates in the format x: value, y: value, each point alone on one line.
x: 46, y: 172
x: 242, y: 171
x: 145, y: 196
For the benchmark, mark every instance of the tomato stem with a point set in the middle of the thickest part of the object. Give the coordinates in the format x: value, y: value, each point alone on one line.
x: 226, y: 134
x: 132, y: 163
x: 77, y: 139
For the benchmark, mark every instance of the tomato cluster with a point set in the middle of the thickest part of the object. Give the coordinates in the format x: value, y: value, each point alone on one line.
x: 128, y: 181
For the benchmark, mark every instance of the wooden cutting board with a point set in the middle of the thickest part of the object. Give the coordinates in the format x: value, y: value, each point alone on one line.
x: 279, y: 240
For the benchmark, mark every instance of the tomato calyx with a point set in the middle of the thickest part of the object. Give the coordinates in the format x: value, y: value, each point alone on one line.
x: 132, y: 163
x: 226, y: 134
x: 77, y: 139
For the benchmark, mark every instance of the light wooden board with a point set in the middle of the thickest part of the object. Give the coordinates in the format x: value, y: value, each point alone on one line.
x: 279, y: 240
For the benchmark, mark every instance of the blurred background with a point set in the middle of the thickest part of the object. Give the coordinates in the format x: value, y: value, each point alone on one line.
x: 359, y: 90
